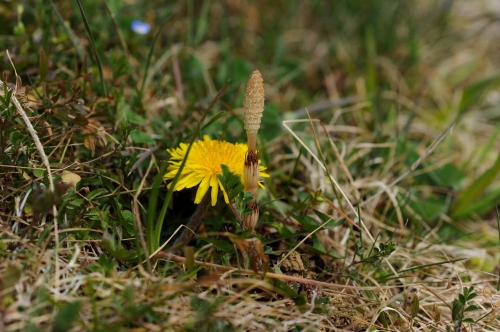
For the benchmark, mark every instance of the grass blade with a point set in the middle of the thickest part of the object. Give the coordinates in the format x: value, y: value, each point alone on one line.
x: 74, y: 40
x: 470, y: 195
x: 153, y: 202
x: 432, y: 264
x: 475, y: 91
x: 123, y: 43
x: 92, y: 43
x: 150, y: 55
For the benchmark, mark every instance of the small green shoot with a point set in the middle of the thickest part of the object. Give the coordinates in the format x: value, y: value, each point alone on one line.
x: 460, y: 306
x: 235, y: 190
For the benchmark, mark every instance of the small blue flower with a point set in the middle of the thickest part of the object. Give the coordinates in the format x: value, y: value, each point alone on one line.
x: 140, y: 27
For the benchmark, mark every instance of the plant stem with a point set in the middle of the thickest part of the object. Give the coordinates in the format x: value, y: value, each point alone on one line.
x: 193, y: 223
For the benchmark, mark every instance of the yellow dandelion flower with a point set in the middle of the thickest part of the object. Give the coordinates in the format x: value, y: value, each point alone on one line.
x: 203, y: 165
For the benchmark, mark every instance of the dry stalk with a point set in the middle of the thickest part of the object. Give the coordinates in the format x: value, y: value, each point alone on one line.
x: 45, y: 160
x: 271, y: 275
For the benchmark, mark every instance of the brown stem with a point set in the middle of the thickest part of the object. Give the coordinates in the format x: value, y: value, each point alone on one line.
x: 252, y: 141
x: 181, y: 259
x: 190, y: 230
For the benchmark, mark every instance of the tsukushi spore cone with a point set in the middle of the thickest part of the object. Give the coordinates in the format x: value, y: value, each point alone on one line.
x: 253, y: 106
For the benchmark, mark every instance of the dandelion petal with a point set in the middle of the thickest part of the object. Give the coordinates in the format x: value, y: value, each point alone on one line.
x: 202, y: 189
x: 215, y: 188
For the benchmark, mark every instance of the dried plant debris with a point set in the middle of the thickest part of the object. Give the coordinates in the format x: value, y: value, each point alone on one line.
x: 339, y: 308
x: 293, y: 264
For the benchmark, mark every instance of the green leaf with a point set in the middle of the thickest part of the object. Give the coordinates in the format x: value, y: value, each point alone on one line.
x: 221, y: 178
x: 222, y: 245
x: 471, y: 308
x: 330, y: 222
x: 75, y: 203
x: 152, y: 206
x: 80, y: 120
x: 129, y: 222
x: 246, y: 197
x: 96, y: 193
x: 8, y: 95
x: 39, y: 172
x: 324, y: 218
x: 108, y: 264
x: 234, y: 180
x: 277, y: 269
x: 456, y: 311
x: 448, y: 176
x: 43, y: 64
x: 125, y: 112
x: 482, y: 205
x: 318, y: 245
x: 415, y: 306
x: 470, y: 296
x: 427, y: 209
x: 282, y: 288
x: 474, y: 92
x: 475, y: 189
x: 300, y: 300
x: 225, y: 170
x: 140, y: 137
x: 283, y: 230
x: 61, y: 115
x: 203, y: 22
x: 307, y: 222
x: 133, y: 117
x: 67, y: 314
x: 120, y: 254
x: 311, y: 250
x: 10, y: 276
x: 231, y: 182
x: 236, y: 190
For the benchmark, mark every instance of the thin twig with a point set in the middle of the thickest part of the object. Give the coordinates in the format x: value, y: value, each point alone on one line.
x: 181, y: 259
